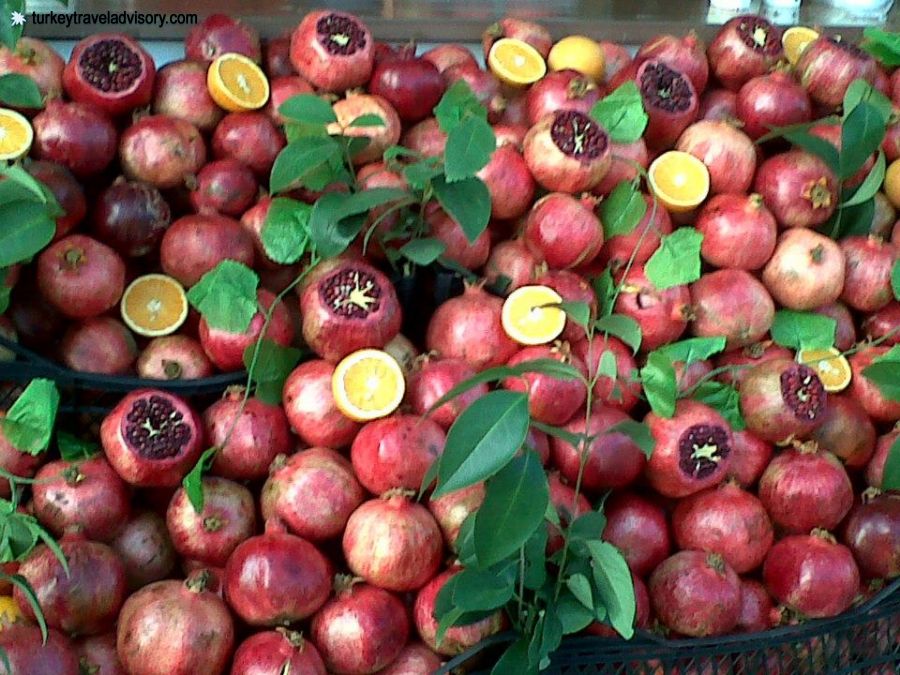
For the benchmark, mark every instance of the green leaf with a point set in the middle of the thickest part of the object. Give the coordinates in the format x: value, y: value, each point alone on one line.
x: 331, y: 234
x: 285, y: 234
x: 883, y: 45
x: 469, y: 147
x: 515, y: 660
x: 693, y: 349
x: 548, y: 640
x: 803, y: 330
x: 605, y: 289
x: 852, y: 220
x: 614, y: 585
x: 74, y: 449
x: 637, y: 432
x: 307, y: 162
x: 588, y: 525
x: 19, y: 91
x: 623, y: 327
x: 677, y: 260
x: 193, y: 481
x: 273, y: 365
x: 476, y: 591
x: 622, y: 114
x: 28, y: 424
x: 895, y: 279
x: 782, y: 132
x: 482, y: 440
x: 32, y: 599
x: 226, y: 296
x: 10, y: 31
x: 891, y: 478
x: 457, y: 104
x: 573, y: 615
x: 309, y: 109
x: 722, y: 398
x: 367, y: 120
x: 36, y: 190
x: 861, y: 135
x: 27, y: 230
x: 817, y: 146
x: 871, y: 183
x: 535, y: 572
x: 513, y: 509
x: 884, y: 373
x: 660, y: 387
x: 423, y: 251
x: 467, y: 201
x: 580, y: 588
x: 420, y: 174
x: 577, y: 311
x: 608, y: 366
x: 5, y: 293
x: 860, y: 90
x: 623, y: 209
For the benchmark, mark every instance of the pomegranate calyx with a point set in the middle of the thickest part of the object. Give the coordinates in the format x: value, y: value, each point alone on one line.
x: 172, y: 369
x: 74, y: 258
x: 234, y: 392
x: 85, y: 667
x: 824, y: 535
x: 817, y: 253
x: 73, y: 475
x: 716, y: 562
x: 817, y: 193
x: 403, y: 493
x: 343, y: 583
x: 869, y: 494
x: 579, y: 87
x: 495, y: 30
x: 199, y: 581
x: 295, y: 637
x: 212, y: 524
x: 756, y: 201
x: 274, y: 525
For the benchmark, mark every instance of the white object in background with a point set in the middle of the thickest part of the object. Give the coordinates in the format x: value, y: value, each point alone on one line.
x: 782, y: 12
x: 730, y: 6
x: 782, y: 4
x: 854, y: 10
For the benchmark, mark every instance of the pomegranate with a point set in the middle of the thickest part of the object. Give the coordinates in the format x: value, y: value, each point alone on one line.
x: 110, y: 71
x: 727, y: 222
x: 750, y: 456
x: 86, y: 494
x: 828, y: 65
x: 380, y: 137
x: 626, y: 158
x: 85, y: 599
x: 731, y: 303
x: 509, y: 183
x: 393, y: 543
x: 361, y: 630
x: 80, y: 276
x: 769, y: 101
x: 75, y: 135
x: 727, y: 152
x: 696, y: 594
x: 27, y: 651
x: 688, y: 376
x: 193, y: 245
x: 457, y: 247
x: 99, y: 345
x: 281, y: 89
x: 551, y: 400
x: 145, y: 549
x: 563, y: 231
x: 692, y: 449
x: 874, y: 473
x: 616, y: 58
x: 745, y: 47
x: 845, y: 330
x: 832, y: 133
x: 623, y: 391
x: 685, y: 55
x: 450, y: 54
x: 161, y: 150
x: 572, y: 287
x: 454, y: 323
x: 415, y: 659
x: 725, y: 520
x: 458, y: 638
x: 426, y: 138
x: 879, y: 407
x: 661, y: 314
x: 144, y: 636
x: 181, y: 92
x: 718, y: 104
x: 131, y: 217
x: 806, y: 270
x: 274, y: 650
x: 641, y: 611
x: 811, y: 574
x: 512, y: 260
x: 152, y: 438
x: 38, y: 60
x: 413, y: 86
x: 333, y: 50
x: 638, y: 527
x: 452, y: 509
x: 15, y: 462
x: 871, y: 532
x: 867, y: 272
x: 310, y: 408
x: 518, y: 29
x: 671, y: 102
x: 638, y: 245
x: 296, y: 584
x: 883, y: 325
x: 36, y: 321
x: 432, y: 378
x: 173, y: 357
x: 567, y: 151
x: 560, y: 90
x: 313, y: 492
x: 483, y: 84
x: 224, y: 186
x: 757, y: 611
x: 798, y: 187
x: 781, y: 399
x: 68, y: 192
x: 249, y: 137
x: 220, y: 34
x: 847, y: 432
x: 97, y: 655
x: 404, y: 353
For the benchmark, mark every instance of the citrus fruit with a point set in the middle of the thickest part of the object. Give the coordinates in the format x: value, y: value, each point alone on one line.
x: 528, y: 320
x: 892, y: 183
x: 516, y: 63
x: 154, y: 305
x: 679, y: 180
x: 368, y: 384
x: 831, y: 366
x: 236, y: 83
x: 9, y: 611
x: 794, y: 40
x: 16, y: 134
x: 578, y: 53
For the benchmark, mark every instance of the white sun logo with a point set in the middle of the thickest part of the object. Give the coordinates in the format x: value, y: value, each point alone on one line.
x: 17, y: 19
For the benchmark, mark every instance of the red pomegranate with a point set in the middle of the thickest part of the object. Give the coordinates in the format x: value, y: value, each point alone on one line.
x: 806, y: 270
x: 145, y: 549
x: 532, y: 33
x: 639, y: 528
x: 871, y: 531
x: 847, y: 432
x: 161, y: 150
x: 878, y: 405
x: 727, y: 222
x: 867, y: 272
x: 99, y: 345
x: 221, y: 34
x: 727, y: 152
x: 685, y: 55
x: 38, y: 60
x: 433, y: 378
x: 65, y: 188
x: 271, y: 650
x: 661, y: 314
x: 560, y: 90
x: 97, y: 655
x: 745, y: 47
x: 563, y: 231
x: 28, y: 652
x: 731, y: 303
x: 671, y: 102
x: 173, y: 357
x: 15, y: 462
x: 334, y: 51
x: 194, y: 244
x: 452, y: 509
x: 845, y: 328
x: 827, y: 67
x: 75, y: 135
x: 181, y: 92
x: 771, y: 100
x: 551, y: 400
x: 311, y: 410
x: 750, y: 456
x: 637, y: 246
x: 249, y: 137
x: 624, y: 390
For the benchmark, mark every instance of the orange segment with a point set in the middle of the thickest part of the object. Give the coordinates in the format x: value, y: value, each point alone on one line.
x: 831, y: 366
x: 516, y: 62
x: 9, y: 612
x: 236, y: 83
x: 679, y: 180
x: 528, y: 320
x: 794, y: 40
x: 892, y: 183
x: 154, y: 305
x: 16, y: 134
x: 578, y: 53
x: 367, y: 385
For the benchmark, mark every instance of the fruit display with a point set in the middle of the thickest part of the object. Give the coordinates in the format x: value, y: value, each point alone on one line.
x: 543, y: 337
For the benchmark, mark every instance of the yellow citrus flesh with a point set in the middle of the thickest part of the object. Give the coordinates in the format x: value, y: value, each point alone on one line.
x: 16, y: 134
x: 236, y: 83
x: 9, y: 611
x: 831, y: 366
x: 528, y: 320
x: 679, y: 180
x: 892, y: 183
x: 794, y: 40
x: 516, y: 62
x: 368, y: 384
x: 154, y: 305
x: 578, y: 53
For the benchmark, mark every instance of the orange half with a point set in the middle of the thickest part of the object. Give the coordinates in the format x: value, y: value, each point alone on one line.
x: 679, y: 180
x: 154, y: 305
x: 516, y: 62
x: 794, y: 40
x: 16, y: 134
x: 368, y: 384
x: 236, y: 83
x: 830, y: 365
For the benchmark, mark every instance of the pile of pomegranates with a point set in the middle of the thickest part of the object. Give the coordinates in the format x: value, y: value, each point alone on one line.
x: 312, y: 551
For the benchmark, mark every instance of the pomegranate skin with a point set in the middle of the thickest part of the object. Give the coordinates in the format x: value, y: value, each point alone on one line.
x: 551, y: 400
x: 875, y: 468
x: 180, y: 91
x: 622, y: 392
x: 457, y: 247
x: 560, y: 90
x: 572, y: 286
x: 867, y: 272
x: 745, y: 47
x: 750, y: 456
x: 828, y: 65
x: 696, y: 594
x: 624, y: 158
x: 75, y: 135
x: 161, y: 150
x: 879, y: 407
x: 99, y: 345
x: 361, y: 630
x: 145, y: 549
x: 811, y: 574
x: 283, y: 87
x: 731, y: 303
x: 771, y: 100
x: 224, y: 186
x: 799, y: 189
x: 511, y: 259
x: 27, y: 652
x: 38, y: 60
x: 510, y: 27
x: 266, y: 652
x: 249, y: 137
x: 450, y: 510
x: 194, y: 244
x: 219, y: 34
x: 883, y: 324
x: 15, y: 462
x: 447, y: 55
x: 661, y: 314
x: 638, y: 527
x: 509, y: 182
x: 725, y: 520
x: 845, y: 330
x: 433, y: 378
x: 668, y: 117
x: 718, y: 104
x: 687, y: 55
x: 872, y: 532
x: 727, y: 152
x: 563, y: 231
x: 641, y: 242
x: 415, y: 659
x: 757, y: 611
x: 806, y: 270
x: 310, y: 408
x: 847, y: 432
x: 380, y: 137
x: 727, y: 222
x: 65, y: 188
x: 97, y: 655
x: 173, y: 357
x: 326, y: 70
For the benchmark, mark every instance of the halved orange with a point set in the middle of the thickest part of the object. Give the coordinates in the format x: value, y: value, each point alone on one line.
x: 236, y: 83
x: 679, y: 180
x: 16, y: 134
x: 580, y: 53
x: 794, y: 40
x: 368, y: 384
x: 154, y: 305
x: 515, y: 62
x: 831, y: 366
x: 527, y: 318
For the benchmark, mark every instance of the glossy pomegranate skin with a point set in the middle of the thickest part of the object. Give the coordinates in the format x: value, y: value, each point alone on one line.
x: 100, y: 344
x: 415, y: 659
x: 867, y: 272
x: 67, y: 190
x: 727, y: 222
x: 414, y: 86
x: 75, y: 135
x: 872, y: 531
x: 731, y: 303
x: 266, y: 652
x: 432, y: 379
x: 551, y: 400
x: 194, y: 244
x: 509, y: 183
x: 847, y: 432
x: 471, y: 255
x: 174, y: 357
x: 224, y: 186
x: 97, y: 655
x: 639, y: 528
x: 771, y: 100
x: 310, y: 408
x: 757, y: 611
x: 827, y: 67
x: 727, y: 152
x: 798, y: 187
x: 249, y: 137
x: 750, y: 456
x: 563, y: 231
x: 181, y: 91
x: 28, y: 653
x: 451, y: 510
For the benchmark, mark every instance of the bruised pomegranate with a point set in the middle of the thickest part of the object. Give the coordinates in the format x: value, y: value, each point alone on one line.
x: 311, y: 410
x: 692, y: 449
x: 144, y: 635
x: 639, y: 528
x: 173, y: 357
x: 86, y: 494
x: 224, y: 186
x: 99, y: 345
x: 868, y: 262
x: 563, y: 231
x: 221, y: 34
x: 361, y: 630
x: 745, y: 47
x: 806, y: 270
x: 27, y: 651
x: 812, y: 574
x: 67, y: 191
x: 193, y: 245
x: 181, y: 92
x: 827, y: 67
x: 152, y: 438
x: 727, y: 152
x: 432, y: 378
x: 621, y: 392
x: 727, y: 222
x: 638, y: 245
x: 567, y: 151
x: 847, y: 432
x: 661, y: 314
x: 279, y: 650
x: 393, y: 543
x: 110, y: 71
x: 38, y: 60
x: 249, y: 137
x: 733, y: 304
x: 551, y: 400
x: 509, y: 183
x: 872, y: 531
x: 771, y: 100
x: 512, y: 260
x: 131, y: 217
x: 75, y: 135
x: 782, y: 399
x: 333, y: 50
x: 750, y: 456
x: 161, y: 150
x: 145, y: 549
x: 452, y: 509
x: 685, y: 55
x: 696, y: 594
x: 879, y: 406
x: 671, y: 102
x: 560, y: 90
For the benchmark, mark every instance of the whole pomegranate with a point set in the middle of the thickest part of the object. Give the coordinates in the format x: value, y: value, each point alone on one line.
x: 271, y: 650
x: 333, y: 50
x: 152, y: 438
x: 639, y: 528
x: 65, y: 188
x: 798, y: 187
x: 249, y: 137
x: 99, y: 345
x: 874, y: 472
x: 131, y: 217
x: 433, y: 378
x: 145, y: 549
x: 509, y: 183
x: 161, y: 150
x: 452, y: 509
x: 551, y: 400
x: 671, y: 102
x: 806, y: 270
x: 513, y: 260
x: 484, y: 85
x: 882, y: 325
x: 563, y: 231
x: 458, y: 248
x: 415, y: 659
x: 568, y: 505
x: 281, y: 89
x: 661, y: 314
x: 750, y: 456
x: 827, y: 67
x: 426, y: 138
x: 867, y: 272
x: 731, y: 303
x: 97, y: 655
x: 757, y: 611
x: 727, y: 222
x: 450, y: 54
x: 847, y: 432
x: 621, y: 391
x: 38, y: 60
x: 771, y: 100
x: 871, y: 531
x: 745, y: 47
x: 224, y: 186
x: 194, y: 244
x: 181, y: 92
x: 781, y: 399
x: 221, y: 34
x: 27, y: 651
x: 572, y: 286
x: 412, y: 85
x: 311, y: 410
x: 879, y: 406
x: 718, y: 104
x: 560, y: 90
x: 173, y: 357
x: 76, y: 135
x: 684, y: 54
x: 727, y: 152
